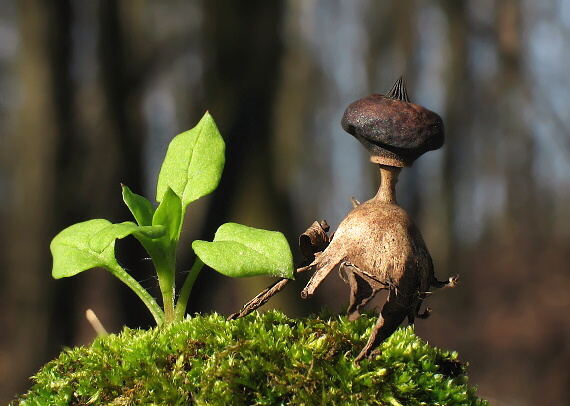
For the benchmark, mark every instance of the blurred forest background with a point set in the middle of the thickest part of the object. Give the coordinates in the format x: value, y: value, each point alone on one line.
x: 91, y: 92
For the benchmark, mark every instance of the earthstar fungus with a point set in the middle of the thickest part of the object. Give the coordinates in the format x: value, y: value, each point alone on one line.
x: 377, y: 246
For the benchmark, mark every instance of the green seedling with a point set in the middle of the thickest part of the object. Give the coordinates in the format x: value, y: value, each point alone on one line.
x: 191, y: 169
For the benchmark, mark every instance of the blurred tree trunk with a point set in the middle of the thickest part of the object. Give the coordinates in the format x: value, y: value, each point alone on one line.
x: 120, y: 131
x: 75, y: 142
x: 519, y: 221
x: 457, y: 90
x: 26, y: 295
x: 242, y: 70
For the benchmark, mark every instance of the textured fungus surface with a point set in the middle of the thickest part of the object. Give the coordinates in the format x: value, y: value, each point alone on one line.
x: 377, y: 246
x: 395, y: 131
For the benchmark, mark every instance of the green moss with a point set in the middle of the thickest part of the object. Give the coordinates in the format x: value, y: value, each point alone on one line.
x: 262, y: 359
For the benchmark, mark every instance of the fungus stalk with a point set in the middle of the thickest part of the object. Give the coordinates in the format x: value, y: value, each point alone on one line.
x: 388, y: 179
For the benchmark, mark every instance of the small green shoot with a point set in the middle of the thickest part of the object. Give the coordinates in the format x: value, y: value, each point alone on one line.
x: 191, y: 169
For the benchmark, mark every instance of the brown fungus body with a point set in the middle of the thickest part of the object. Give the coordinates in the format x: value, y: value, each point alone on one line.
x: 377, y: 246
x: 395, y: 131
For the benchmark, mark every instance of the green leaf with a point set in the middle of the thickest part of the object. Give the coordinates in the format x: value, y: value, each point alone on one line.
x: 71, y: 251
x: 194, y: 162
x: 139, y: 206
x: 241, y: 251
x: 107, y: 235
x: 91, y: 244
x: 169, y: 214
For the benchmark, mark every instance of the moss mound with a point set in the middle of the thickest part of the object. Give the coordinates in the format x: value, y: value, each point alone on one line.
x: 263, y: 359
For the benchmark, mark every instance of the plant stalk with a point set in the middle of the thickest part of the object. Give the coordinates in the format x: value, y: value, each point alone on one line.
x: 187, y: 288
x: 142, y: 293
x: 165, y: 271
x: 168, y: 302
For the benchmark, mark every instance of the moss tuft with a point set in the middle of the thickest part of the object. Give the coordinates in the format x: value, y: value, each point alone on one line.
x: 262, y: 359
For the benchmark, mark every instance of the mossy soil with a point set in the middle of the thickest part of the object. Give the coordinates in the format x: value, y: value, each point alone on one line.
x: 262, y: 359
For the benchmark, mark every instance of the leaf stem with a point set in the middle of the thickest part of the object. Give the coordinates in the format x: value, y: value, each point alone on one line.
x: 187, y: 288
x: 165, y: 272
x: 168, y: 302
x: 142, y: 293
